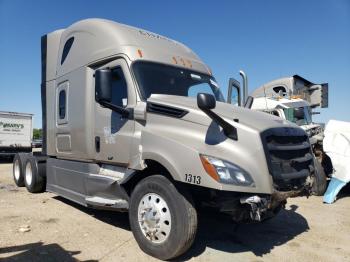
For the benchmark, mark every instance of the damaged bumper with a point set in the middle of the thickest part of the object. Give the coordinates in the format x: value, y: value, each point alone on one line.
x: 255, y: 207
x: 250, y: 207
x: 261, y: 208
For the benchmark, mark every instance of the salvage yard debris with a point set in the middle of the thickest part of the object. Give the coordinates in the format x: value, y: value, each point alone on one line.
x: 336, y: 144
x: 24, y: 229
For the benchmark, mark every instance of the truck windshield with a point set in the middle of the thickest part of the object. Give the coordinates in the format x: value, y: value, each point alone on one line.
x: 154, y: 78
x: 299, y: 115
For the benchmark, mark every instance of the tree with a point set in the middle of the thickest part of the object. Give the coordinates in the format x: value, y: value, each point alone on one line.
x: 37, y: 133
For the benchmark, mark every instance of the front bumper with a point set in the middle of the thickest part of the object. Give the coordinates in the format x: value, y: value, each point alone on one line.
x: 245, y: 208
x: 262, y: 208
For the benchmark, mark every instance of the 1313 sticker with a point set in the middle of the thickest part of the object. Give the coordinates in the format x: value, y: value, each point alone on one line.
x: 192, y: 179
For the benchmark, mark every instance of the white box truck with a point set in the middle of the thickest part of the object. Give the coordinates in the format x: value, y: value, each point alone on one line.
x: 16, y: 132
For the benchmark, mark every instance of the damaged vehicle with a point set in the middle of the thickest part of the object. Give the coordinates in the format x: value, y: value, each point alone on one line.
x: 293, y: 99
x: 134, y: 121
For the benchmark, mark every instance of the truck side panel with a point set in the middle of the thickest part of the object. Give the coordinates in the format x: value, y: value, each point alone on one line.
x: 49, y: 49
x: 70, y: 133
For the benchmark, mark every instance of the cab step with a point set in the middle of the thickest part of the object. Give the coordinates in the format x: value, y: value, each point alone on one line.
x: 100, y: 202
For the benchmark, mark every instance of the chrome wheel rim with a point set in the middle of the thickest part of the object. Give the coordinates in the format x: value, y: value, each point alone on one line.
x: 29, y: 174
x: 16, y: 170
x: 154, y: 218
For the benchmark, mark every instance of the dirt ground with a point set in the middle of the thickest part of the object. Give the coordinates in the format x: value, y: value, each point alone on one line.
x: 59, y: 230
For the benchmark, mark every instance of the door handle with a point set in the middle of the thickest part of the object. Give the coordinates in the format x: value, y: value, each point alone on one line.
x: 97, y: 144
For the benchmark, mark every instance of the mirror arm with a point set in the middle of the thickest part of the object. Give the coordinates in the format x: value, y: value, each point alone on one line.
x: 123, y: 111
x: 229, y: 130
x: 234, y: 83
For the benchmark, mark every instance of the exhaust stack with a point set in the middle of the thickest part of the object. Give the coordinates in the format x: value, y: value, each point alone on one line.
x: 245, y: 86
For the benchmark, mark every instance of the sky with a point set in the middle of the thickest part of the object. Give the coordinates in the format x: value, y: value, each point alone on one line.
x: 267, y: 39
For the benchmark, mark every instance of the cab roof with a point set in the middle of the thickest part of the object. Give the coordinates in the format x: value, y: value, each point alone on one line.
x: 92, y: 40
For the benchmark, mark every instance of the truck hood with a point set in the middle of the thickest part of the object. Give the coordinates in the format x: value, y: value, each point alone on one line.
x: 237, y: 116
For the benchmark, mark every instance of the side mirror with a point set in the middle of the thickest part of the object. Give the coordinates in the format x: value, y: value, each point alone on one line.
x: 206, y: 101
x: 234, y: 92
x: 103, y: 85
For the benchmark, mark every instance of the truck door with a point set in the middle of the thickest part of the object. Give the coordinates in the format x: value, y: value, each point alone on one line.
x: 113, y: 132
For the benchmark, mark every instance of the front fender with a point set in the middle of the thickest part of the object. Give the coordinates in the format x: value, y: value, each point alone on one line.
x: 179, y: 159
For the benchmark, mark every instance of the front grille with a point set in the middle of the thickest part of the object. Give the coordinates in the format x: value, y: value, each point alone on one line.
x: 289, y: 157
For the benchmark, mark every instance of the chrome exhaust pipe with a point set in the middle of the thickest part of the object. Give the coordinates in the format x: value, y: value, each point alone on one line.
x: 245, y: 86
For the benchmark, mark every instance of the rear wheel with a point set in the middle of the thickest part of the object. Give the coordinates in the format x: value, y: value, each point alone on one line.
x: 34, y: 179
x: 19, y: 162
x: 163, y: 220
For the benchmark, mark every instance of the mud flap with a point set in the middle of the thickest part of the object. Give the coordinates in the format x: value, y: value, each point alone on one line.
x: 332, y: 191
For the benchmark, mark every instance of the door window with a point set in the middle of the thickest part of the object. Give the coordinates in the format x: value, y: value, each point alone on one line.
x: 62, y: 104
x: 119, y: 88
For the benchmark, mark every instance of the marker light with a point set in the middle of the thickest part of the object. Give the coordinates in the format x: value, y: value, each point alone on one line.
x: 189, y: 63
x: 183, y: 62
x: 209, y: 168
x: 174, y: 59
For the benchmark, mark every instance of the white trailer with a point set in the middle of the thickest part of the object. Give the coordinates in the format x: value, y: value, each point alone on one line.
x: 16, y: 132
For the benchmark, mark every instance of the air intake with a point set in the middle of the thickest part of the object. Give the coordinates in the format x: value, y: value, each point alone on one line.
x: 165, y: 110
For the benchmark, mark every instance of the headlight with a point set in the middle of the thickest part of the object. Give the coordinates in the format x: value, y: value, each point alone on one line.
x: 226, y: 172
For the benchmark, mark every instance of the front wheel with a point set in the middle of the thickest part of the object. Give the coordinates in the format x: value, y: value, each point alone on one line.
x: 319, y: 186
x: 163, y: 220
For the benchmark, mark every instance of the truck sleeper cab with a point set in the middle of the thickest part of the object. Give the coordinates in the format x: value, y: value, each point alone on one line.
x: 134, y: 121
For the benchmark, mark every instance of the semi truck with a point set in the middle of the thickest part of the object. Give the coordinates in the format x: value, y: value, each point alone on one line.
x: 16, y: 132
x: 134, y: 121
x: 294, y: 99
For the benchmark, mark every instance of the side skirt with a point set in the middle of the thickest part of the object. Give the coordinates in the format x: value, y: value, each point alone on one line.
x: 85, y: 184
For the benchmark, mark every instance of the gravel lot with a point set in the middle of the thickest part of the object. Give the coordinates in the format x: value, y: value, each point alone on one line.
x: 59, y: 230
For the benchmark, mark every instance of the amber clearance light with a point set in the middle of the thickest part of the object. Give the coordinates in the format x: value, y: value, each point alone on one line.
x: 209, y: 168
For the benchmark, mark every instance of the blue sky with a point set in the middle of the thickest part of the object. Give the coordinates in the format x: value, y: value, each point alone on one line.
x: 267, y: 39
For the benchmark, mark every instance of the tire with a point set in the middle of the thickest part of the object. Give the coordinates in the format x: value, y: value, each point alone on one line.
x: 174, y: 212
x: 19, y: 162
x: 320, y: 183
x: 34, y: 176
x: 327, y: 165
